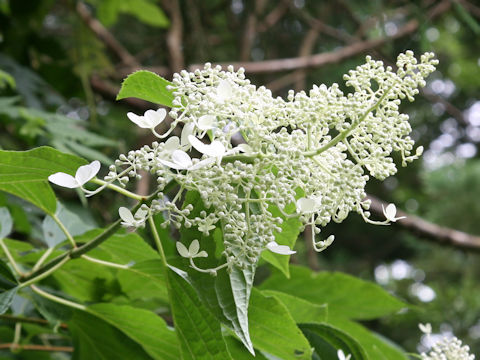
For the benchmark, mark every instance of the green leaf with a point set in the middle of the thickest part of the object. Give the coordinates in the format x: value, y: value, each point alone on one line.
x: 288, y: 236
x: 376, y: 347
x: 6, y: 79
x: 239, y: 352
x: 226, y: 295
x: 84, y: 280
x: 94, y: 338
x: 142, y: 326
x: 301, y: 310
x: 7, y: 280
x: 233, y: 295
x: 6, y: 298
x: 6, y: 222
x: 146, y: 11
x: 198, y: 330
x: 345, y: 295
x: 336, y: 338
x: 148, y: 86
x: 8, y: 287
x: 25, y: 174
x: 273, y: 329
x: 144, y: 280
x: 75, y: 225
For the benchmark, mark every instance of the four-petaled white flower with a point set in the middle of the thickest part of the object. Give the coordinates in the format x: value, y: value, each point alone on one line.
x: 279, y: 249
x: 308, y: 205
x: 182, y: 161
x: 214, y: 149
x: 390, y: 211
x: 192, y: 251
x: 83, y: 175
x: 130, y: 220
x: 150, y: 118
x: 206, y: 122
x: 341, y: 355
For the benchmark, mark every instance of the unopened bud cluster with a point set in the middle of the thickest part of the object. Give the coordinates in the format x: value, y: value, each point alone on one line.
x: 309, y: 156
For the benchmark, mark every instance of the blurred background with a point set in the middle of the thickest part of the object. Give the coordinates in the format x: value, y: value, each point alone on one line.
x: 62, y: 62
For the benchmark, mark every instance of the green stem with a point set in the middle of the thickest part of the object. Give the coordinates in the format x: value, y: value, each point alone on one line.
x: 158, y: 242
x: 105, y: 263
x: 119, y: 190
x: 58, y: 299
x: 17, y: 335
x: 44, y: 257
x: 44, y: 274
x: 65, y: 230
x: 10, y: 258
x: 79, y: 251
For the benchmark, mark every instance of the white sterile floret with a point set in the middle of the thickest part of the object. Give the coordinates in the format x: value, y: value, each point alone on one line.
x: 341, y: 355
x: 172, y: 144
x: 150, y: 118
x: 279, y: 249
x: 83, y: 175
x: 214, y: 149
x: 425, y: 328
x: 192, y: 251
x: 206, y: 122
x: 306, y: 205
x: 182, y: 161
x: 390, y: 211
x: 187, y: 130
x: 224, y: 90
x: 130, y: 220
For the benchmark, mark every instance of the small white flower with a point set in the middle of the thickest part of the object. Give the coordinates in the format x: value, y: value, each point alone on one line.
x: 150, y: 118
x: 206, y: 122
x: 192, y: 251
x: 182, y: 161
x: 279, y: 249
x: 307, y: 205
x: 214, y: 149
x: 83, y: 175
x: 186, y: 132
x: 172, y: 144
x: 390, y: 211
x: 425, y: 328
x: 341, y: 355
x: 224, y: 90
x: 130, y: 220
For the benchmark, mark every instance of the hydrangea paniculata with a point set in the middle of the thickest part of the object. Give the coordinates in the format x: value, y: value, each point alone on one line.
x: 309, y: 156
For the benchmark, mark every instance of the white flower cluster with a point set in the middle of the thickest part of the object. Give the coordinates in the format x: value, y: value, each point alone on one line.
x: 309, y: 156
x: 446, y: 349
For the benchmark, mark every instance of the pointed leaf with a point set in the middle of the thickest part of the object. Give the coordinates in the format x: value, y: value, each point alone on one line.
x: 375, y: 346
x: 25, y: 173
x: 301, y: 310
x: 199, y: 332
x: 142, y: 326
x: 335, y: 337
x: 148, y: 86
x: 6, y: 298
x: 94, y: 338
x: 273, y: 329
x: 345, y: 295
x: 8, y: 287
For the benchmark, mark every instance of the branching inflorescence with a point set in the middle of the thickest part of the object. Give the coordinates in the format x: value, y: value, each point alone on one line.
x: 309, y: 156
